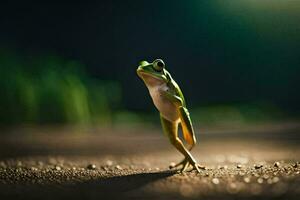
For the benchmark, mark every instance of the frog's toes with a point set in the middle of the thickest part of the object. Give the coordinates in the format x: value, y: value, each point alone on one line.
x: 185, y: 166
x: 197, y: 167
x: 188, y: 165
x: 201, y: 167
x: 173, y: 165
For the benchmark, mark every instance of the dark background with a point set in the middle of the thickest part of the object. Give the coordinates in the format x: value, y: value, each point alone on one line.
x: 219, y: 52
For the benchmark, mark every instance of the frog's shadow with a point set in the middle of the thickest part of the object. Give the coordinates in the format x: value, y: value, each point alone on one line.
x: 118, y: 185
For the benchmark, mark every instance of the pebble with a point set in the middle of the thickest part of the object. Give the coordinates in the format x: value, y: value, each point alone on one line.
x: 275, y: 179
x: 172, y: 165
x: 215, y: 181
x: 277, y: 164
x: 247, y: 180
x: 295, y: 165
x: 258, y: 166
x: 33, y: 169
x: 91, y: 166
x: 239, y: 166
x: 260, y: 180
x: 232, y: 188
x: 118, y: 167
x: 58, y: 168
x: 109, y: 162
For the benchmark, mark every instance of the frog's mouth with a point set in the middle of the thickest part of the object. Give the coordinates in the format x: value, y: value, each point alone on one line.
x: 144, y: 74
x: 150, y: 79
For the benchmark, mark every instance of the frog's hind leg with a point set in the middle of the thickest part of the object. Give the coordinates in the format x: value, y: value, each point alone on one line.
x: 183, y: 160
x: 171, y: 128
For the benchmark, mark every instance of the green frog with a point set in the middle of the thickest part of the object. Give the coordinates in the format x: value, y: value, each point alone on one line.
x: 169, y: 100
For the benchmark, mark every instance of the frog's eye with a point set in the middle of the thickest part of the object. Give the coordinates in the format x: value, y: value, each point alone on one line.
x: 158, y: 65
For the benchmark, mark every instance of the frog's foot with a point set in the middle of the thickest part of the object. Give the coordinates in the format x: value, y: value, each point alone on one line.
x: 194, y: 165
x: 186, y: 163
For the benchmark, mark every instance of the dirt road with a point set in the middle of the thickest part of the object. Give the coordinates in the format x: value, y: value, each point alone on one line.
x: 51, y: 163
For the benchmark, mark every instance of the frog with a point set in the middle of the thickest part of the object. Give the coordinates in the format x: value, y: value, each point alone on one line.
x: 170, y: 102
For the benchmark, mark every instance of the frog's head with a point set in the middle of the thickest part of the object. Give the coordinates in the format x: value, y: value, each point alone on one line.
x: 152, y: 73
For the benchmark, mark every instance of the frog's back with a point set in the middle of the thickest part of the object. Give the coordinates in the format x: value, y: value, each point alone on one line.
x: 175, y: 88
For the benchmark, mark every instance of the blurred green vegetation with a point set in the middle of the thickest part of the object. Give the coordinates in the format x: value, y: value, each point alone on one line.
x: 49, y: 89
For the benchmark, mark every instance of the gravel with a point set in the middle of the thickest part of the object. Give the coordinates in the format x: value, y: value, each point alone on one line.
x: 75, y: 181
x: 115, y: 167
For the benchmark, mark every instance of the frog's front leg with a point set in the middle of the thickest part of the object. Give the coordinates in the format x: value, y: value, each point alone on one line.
x: 171, y: 129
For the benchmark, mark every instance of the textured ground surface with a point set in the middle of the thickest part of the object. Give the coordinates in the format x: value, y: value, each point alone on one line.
x: 51, y: 163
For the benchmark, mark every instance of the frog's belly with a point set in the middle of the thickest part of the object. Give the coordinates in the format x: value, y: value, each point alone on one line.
x: 166, y: 108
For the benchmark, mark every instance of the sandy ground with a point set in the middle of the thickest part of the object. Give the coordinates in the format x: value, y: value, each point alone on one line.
x: 60, y: 163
